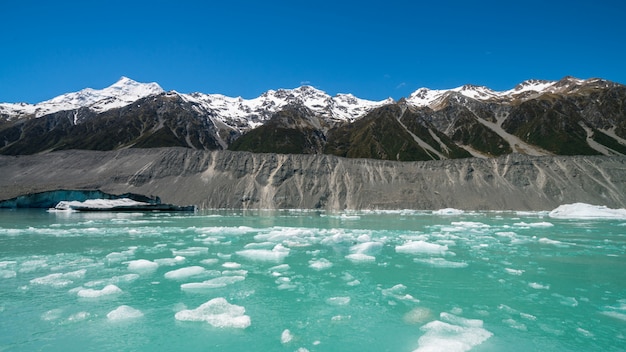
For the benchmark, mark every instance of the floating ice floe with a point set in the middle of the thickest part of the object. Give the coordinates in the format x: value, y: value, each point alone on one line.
x: 586, y: 211
x: 448, y: 211
x: 276, y: 254
x: 109, y: 290
x: 142, y: 266
x: 286, y: 336
x: 534, y: 224
x: 124, y: 312
x: 338, y: 301
x: 59, y: 279
x: 217, y: 282
x: 452, y: 334
x: 440, y: 263
x: 170, y: 261
x: 421, y: 247
x: 320, y: 264
x: 184, y: 273
x: 398, y: 292
x: 217, y: 312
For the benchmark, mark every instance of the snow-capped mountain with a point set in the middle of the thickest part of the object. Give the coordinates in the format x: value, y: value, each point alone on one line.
x: 565, y: 117
x: 526, y: 90
x: 123, y: 92
x: 250, y: 113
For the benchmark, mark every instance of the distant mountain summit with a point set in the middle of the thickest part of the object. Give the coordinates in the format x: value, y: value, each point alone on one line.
x: 566, y: 117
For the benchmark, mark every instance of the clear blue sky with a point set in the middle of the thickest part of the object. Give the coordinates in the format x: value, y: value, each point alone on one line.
x: 373, y: 49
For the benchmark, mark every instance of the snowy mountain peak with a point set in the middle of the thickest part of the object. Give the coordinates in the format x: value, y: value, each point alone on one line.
x: 528, y: 89
x: 121, y: 93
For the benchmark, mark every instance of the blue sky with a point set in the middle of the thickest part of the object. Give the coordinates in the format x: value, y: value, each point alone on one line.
x: 242, y: 48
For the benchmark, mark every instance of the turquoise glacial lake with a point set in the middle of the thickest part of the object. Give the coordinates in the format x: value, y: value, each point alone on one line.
x: 311, y: 281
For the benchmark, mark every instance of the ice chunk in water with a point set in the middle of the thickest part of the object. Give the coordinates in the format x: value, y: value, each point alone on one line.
x: 170, y: 261
x: 7, y: 274
x: 124, y: 312
x: 440, y: 263
x: 397, y: 292
x: 360, y: 258
x: 184, y: 273
x: 320, y: 264
x: 59, y: 279
x: 286, y: 336
x: 586, y: 211
x: 217, y: 282
x: 338, y: 301
x: 448, y: 211
x: 417, y: 315
x: 191, y: 251
x: 217, y: 312
x: 108, y: 290
x: 447, y: 336
x: 276, y: 254
x: 421, y: 247
x: 142, y: 266
x: 369, y: 248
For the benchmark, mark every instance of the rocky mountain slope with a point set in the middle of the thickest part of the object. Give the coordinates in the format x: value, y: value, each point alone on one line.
x: 224, y: 179
x: 566, y: 117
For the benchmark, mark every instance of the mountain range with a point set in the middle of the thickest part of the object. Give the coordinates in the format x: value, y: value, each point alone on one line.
x: 566, y: 117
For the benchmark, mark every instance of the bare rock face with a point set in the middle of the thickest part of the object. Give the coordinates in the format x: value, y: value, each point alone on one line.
x: 225, y: 179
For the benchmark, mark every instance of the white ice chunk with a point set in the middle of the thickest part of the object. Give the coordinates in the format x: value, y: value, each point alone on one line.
x: 534, y: 224
x: 191, y: 251
x: 210, y: 261
x: 142, y: 266
x: 217, y: 312
x: 369, y: 248
x: 398, y: 292
x: 516, y: 272
x: 360, y: 258
x: 276, y: 254
x: 586, y: 211
x: 320, y: 264
x: 170, y: 261
x: 231, y: 265
x: 80, y: 316
x: 538, y: 286
x: 418, y: 315
x: 52, y: 314
x: 286, y: 336
x: 442, y: 336
x: 59, y: 279
x: 124, y: 312
x: 338, y: 301
x: 185, y: 273
x: 109, y: 290
x: 448, y: 211
x: 7, y: 274
x: 217, y: 282
x: 440, y: 263
x: 98, y: 204
x: 421, y: 247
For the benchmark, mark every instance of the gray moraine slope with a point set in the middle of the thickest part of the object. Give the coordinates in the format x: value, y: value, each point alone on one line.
x: 225, y: 179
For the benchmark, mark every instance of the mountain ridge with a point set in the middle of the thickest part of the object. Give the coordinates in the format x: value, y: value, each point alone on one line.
x: 567, y: 117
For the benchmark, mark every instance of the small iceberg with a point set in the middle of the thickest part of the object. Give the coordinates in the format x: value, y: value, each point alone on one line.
x: 448, y: 211
x: 586, y: 211
x: 121, y: 204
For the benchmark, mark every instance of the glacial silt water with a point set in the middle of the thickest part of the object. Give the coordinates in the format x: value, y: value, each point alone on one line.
x: 306, y: 280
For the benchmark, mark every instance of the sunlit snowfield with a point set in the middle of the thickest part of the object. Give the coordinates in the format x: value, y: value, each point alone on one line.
x: 293, y: 280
